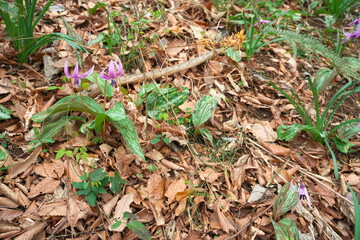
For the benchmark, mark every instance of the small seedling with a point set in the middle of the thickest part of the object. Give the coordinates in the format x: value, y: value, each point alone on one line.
x: 158, y: 138
x: 95, y: 183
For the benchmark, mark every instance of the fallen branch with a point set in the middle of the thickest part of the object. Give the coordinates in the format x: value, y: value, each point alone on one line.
x: 141, y: 77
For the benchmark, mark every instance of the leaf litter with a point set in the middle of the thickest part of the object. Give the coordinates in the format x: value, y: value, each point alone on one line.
x: 197, y: 190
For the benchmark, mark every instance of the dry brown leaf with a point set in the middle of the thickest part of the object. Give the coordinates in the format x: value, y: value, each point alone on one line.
x: 263, y: 131
x: 76, y: 210
x: 10, y: 214
x: 47, y: 185
x: 154, y: 154
x: 175, y: 187
x: 225, y: 223
x: 33, y: 232
x: 53, y: 170
x: 181, y: 207
x: 209, y: 175
x: 277, y: 149
x: 53, y: 209
x: 123, y: 205
x: 156, y: 186
x: 21, y: 167
x: 109, y: 206
x: 16, y: 196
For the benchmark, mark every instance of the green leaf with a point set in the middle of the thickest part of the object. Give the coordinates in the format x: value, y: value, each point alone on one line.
x: 139, y: 229
x: 115, y: 225
x: 287, y: 133
x: 125, y: 126
x: 4, y: 113
x: 284, y: 201
x: 163, y: 99
x: 51, y: 129
x: 342, y: 145
x: 80, y: 185
x: 9, y: 8
x: 286, y: 229
x: 233, y: 54
x: 155, y: 140
x: 97, y: 175
x: 70, y: 103
x: 129, y: 215
x: 144, y: 91
x: 98, y: 123
x: 357, y: 214
x: 323, y: 78
x: 115, y: 183
x: 206, y: 134
x: 203, y: 110
x: 84, y: 191
x: 2, y: 155
x: 95, y: 78
x: 91, y: 199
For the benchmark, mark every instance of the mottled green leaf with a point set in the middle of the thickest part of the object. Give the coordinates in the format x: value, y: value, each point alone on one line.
x: 125, y: 126
x: 163, y: 99
x: 4, y: 113
x: 115, y: 183
x: 91, y: 199
x: 70, y: 103
x: 286, y: 229
x: 206, y: 134
x: 323, y: 78
x: 203, y: 110
x: 139, y: 229
x: 284, y: 201
x: 233, y: 54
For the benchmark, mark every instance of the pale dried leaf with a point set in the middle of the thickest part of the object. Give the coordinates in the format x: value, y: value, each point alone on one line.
x: 47, y: 185
x: 122, y: 206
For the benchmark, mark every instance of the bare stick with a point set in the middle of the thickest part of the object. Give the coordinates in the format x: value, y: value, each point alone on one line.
x: 141, y: 77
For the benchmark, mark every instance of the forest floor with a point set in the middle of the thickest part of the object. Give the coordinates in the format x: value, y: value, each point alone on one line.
x: 216, y: 174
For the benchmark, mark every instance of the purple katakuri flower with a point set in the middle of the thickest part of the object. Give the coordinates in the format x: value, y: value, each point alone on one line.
x: 262, y: 21
x: 356, y: 21
x: 111, y: 72
x: 77, y: 77
x: 349, y: 36
x: 303, y: 193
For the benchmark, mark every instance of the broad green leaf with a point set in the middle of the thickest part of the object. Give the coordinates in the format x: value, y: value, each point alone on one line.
x: 71, y: 103
x: 9, y: 8
x: 102, y: 84
x: 284, y: 201
x: 98, y: 123
x: 203, y: 110
x: 287, y: 133
x: 4, y: 113
x: 115, y: 183
x: 84, y: 191
x: 323, y: 78
x: 125, y: 126
x: 163, y: 99
x: 233, y: 54
x: 80, y: 185
x: 91, y: 199
x: 342, y: 145
x: 139, y: 229
x: 97, y: 175
x: 206, y: 134
x: 286, y: 229
x: 155, y: 140
x: 51, y: 129
x: 116, y: 225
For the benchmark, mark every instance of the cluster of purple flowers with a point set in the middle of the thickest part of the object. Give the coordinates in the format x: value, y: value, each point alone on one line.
x: 114, y: 70
x: 356, y: 34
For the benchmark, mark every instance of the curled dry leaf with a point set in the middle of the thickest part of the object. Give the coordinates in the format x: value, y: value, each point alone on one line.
x: 175, y: 187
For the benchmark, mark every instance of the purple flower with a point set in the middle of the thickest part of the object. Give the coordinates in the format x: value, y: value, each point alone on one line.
x: 349, y: 36
x: 357, y: 21
x: 261, y: 22
x: 76, y: 76
x: 111, y: 73
x: 303, y: 193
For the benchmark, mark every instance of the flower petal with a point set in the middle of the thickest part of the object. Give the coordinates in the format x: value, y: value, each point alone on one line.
x: 111, y: 72
x: 120, y: 69
x: 76, y: 70
x: 103, y: 76
x: 87, y: 73
x: 292, y: 186
x: 66, y: 69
